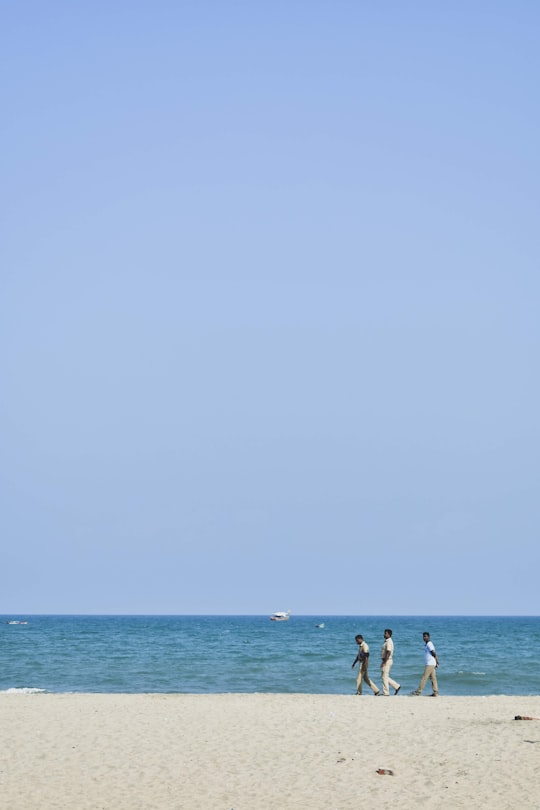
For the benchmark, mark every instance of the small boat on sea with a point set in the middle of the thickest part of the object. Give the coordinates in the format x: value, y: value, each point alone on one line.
x: 16, y: 621
x: 320, y: 626
x: 280, y: 617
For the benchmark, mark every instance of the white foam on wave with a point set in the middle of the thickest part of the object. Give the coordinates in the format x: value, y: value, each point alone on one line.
x: 23, y: 690
x: 468, y: 672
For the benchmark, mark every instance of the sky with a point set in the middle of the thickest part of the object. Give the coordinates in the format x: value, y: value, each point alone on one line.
x: 269, y: 307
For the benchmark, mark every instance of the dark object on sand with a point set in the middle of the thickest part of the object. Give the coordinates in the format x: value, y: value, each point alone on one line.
x: 522, y: 717
x: 385, y: 771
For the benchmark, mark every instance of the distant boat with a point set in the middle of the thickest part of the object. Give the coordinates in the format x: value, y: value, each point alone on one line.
x: 320, y: 626
x: 280, y: 617
x: 13, y: 621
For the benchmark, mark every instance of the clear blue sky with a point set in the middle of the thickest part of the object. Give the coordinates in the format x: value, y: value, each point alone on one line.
x: 269, y: 307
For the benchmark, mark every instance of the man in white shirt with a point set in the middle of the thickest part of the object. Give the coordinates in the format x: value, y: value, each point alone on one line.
x: 431, y: 664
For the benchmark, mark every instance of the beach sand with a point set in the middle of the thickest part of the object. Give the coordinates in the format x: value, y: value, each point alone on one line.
x: 267, y: 752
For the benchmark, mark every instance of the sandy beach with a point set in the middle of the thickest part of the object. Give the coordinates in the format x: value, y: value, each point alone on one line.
x: 267, y: 752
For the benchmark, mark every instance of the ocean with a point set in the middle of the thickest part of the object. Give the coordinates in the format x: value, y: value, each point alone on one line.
x: 223, y: 654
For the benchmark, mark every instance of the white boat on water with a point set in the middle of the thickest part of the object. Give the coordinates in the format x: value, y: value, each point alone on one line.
x: 280, y: 617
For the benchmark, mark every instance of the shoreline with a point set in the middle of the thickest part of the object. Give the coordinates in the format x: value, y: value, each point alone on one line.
x: 265, y: 751
x: 37, y: 692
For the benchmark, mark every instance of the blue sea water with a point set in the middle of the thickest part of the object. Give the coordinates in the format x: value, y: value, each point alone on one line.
x: 217, y: 654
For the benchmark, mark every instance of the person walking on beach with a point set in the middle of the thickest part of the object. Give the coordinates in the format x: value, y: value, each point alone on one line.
x: 431, y: 664
x: 387, y: 659
x: 363, y: 660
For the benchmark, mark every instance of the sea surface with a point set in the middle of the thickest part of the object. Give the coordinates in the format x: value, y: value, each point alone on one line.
x: 219, y: 654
